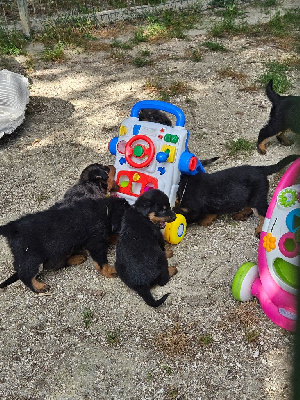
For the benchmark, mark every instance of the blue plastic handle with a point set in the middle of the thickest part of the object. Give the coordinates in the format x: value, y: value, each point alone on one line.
x: 159, y: 105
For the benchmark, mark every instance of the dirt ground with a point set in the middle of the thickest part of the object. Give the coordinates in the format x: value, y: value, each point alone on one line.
x: 92, y: 337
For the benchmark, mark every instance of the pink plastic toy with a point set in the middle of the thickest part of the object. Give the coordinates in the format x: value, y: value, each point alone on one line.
x: 275, y: 280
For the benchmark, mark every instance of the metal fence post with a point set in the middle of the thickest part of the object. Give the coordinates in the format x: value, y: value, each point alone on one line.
x: 24, y: 16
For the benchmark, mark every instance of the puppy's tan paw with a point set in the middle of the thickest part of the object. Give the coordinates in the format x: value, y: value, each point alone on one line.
x: 106, y: 270
x: 208, y: 220
x: 243, y: 215
x: 39, y: 287
x: 172, y: 271
x: 77, y: 259
x: 169, y: 253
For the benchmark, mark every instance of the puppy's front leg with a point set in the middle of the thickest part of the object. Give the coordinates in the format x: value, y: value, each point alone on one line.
x: 98, y: 252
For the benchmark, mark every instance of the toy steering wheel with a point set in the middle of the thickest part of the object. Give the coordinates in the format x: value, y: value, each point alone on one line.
x: 138, y: 150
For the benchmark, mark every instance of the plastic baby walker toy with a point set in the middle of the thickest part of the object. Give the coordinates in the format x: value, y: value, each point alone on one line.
x: 274, y: 282
x: 150, y: 155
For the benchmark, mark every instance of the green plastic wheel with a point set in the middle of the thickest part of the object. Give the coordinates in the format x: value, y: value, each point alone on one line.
x: 243, y: 280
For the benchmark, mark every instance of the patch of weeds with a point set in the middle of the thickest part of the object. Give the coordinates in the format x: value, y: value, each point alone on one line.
x: 252, y: 334
x: 281, y: 28
x: 228, y: 27
x: 173, y: 393
x: 276, y: 71
x: 241, y: 145
x: 205, y: 340
x: 43, y: 197
x: 29, y: 63
x: 113, y: 336
x: 178, y: 340
x: 121, y: 45
x: 214, y: 46
x: 196, y: 55
x: 282, y: 24
x: 142, y: 59
x: 87, y: 317
x: 245, y: 318
x: 54, y: 53
x: 221, y: 3
x: 230, y: 73
x: 163, y: 91
x: 228, y: 24
x: 12, y: 43
x: 149, y: 376
x: 69, y: 30
x: 166, y: 25
x: 264, y: 4
x: 118, y: 54
x: 167, y: 369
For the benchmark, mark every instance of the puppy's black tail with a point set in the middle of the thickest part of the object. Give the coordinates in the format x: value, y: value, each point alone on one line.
x: 272, y: 169
x: 13, y: 278
x: 208, y: 161
x: 145, y: 293
x: 272, y: 95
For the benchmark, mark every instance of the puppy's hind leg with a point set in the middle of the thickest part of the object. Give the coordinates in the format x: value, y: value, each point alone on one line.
x: 98, y: 252
x: 27, y: 274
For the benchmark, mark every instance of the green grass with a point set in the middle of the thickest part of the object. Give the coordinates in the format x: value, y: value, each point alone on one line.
x: 276, y: 71
x: 264, y: 4
x: 196, y: 55
x: 142, y: 59
x: 282, y: 24
x: 168, y: 24
x: 54, y: 53
x: 205, y: 340
x: 252, y: 334
x: 118, y: 44
x: 87, y: 317
x: 241, y: 145
x: 12, y: 43
x: 228, y: 26
x: 214, y: 46
x: 222, y: 3
x: 163, y: 91
x: 113, y: 336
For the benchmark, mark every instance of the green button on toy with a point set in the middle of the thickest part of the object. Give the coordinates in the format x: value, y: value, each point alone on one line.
x: 138, y: 151
x: 174, y: 139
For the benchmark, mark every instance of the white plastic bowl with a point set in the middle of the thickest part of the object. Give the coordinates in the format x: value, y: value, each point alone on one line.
x: 14, y: 96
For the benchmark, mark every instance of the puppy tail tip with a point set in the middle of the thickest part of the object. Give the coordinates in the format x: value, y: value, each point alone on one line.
x: 145, y: 293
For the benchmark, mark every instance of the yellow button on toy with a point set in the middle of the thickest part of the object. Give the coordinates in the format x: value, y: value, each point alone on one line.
x: 136, y: 177
x: 123, y: 130
x: 172, y: 152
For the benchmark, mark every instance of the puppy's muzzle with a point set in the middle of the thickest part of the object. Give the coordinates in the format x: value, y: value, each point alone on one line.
x: 171, y: 216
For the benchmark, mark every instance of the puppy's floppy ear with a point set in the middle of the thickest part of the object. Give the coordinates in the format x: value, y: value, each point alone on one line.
x: 143, y: 206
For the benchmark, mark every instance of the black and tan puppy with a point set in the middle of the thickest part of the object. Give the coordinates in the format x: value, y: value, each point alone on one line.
x: 96, y: 181
x: 234, y: 190
x: 284, y: 115
x: 141, y: 258
x: 52, y: 235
